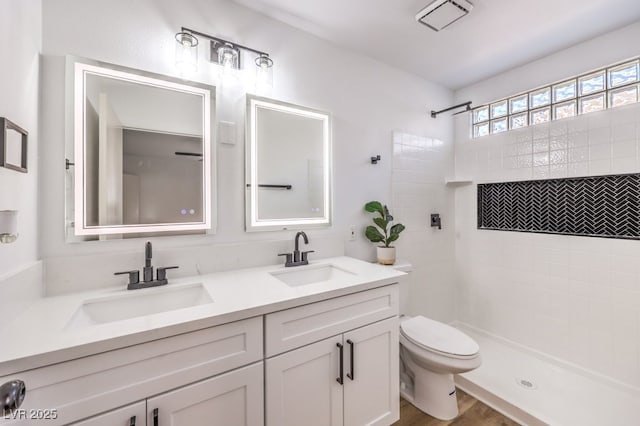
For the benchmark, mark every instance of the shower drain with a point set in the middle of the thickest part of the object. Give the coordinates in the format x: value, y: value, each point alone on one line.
x: 527, y: 384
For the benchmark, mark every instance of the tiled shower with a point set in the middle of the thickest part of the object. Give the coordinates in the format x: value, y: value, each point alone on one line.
x: 572, y: 297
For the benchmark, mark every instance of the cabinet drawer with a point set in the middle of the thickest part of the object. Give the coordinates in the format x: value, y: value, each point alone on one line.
x: 232, y: 399
x: 80, y: 388
x: 292, y: 328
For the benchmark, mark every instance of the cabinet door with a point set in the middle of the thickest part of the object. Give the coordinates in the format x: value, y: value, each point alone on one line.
x: 231, y: 399
x: 301, y: 386
x: 371, y: 394
x: 131, y: 415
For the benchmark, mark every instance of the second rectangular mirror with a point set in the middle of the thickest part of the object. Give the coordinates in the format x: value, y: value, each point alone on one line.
x: 288, y: 166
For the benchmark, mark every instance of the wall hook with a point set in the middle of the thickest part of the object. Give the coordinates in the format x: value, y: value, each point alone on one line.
x: 68, y: 164
x: 374, y: 160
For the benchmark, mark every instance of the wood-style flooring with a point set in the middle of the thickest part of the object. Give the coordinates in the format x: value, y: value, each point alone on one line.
x: 472, y: 413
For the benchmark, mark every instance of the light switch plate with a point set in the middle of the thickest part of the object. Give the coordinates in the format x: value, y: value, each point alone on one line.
x: 227, y: 132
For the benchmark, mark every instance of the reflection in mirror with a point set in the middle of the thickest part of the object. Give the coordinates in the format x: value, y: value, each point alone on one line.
x: 13, y: 146
x: 142, y: 154
x: 288, y: 166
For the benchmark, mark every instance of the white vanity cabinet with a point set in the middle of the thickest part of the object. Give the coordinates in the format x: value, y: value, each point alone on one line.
x: 85, y: 387
x: 372, y: 396
x: 231, y: 399
x: 332, y: 361
x: 131, y: 415
x: 350, y: 378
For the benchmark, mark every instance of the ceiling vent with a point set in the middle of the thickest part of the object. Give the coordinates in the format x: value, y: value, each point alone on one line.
x: 442, y: 13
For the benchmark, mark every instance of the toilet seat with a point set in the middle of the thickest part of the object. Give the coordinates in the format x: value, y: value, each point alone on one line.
x: 438, y: 337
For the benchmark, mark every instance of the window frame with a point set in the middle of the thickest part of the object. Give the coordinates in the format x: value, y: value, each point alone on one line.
x: 607, y: 92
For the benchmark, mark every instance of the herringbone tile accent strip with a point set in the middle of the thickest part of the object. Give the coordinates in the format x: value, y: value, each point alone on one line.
x: 598, y: 206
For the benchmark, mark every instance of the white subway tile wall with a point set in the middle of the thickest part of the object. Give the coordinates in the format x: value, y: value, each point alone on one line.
x: 420, y: 167
x: 576, y: 298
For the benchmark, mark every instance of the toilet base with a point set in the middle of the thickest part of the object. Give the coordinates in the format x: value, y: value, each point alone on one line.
x: 432, y: 393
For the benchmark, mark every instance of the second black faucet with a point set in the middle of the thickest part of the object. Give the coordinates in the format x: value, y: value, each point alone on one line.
x: 297, y: 258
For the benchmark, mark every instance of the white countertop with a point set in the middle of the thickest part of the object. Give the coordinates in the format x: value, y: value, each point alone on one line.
x: 41, y: 336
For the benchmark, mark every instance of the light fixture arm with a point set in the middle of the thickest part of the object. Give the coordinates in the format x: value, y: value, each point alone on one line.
x: 223, y: 41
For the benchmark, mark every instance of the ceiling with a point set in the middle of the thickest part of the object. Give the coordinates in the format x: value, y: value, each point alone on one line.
x: 497, y: 35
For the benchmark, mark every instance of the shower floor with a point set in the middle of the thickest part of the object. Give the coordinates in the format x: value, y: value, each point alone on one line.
x: 536, y: 390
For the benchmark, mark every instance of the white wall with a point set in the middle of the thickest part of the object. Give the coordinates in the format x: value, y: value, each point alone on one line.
x: 577, y: 298
x: 20, y: 41
x: 367, y: 100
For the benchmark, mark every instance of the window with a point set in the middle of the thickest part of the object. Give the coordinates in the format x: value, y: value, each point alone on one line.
x: 499, y: 109
x: 610, y: 87
x: 518, y: 104
x: 540, y: 97
x: 541, y: 115
x: 592, y: 103
x: 591, y: 83
x: 564, y: 91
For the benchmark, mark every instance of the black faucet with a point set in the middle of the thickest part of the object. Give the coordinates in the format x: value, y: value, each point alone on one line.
x: 147, y: 272
x: 296, y: 251
x: 297, y: 258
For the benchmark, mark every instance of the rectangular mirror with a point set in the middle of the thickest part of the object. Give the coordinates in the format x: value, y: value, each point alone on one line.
x: 288, y: 156
x: 142, y: 153
x: 13, y: 146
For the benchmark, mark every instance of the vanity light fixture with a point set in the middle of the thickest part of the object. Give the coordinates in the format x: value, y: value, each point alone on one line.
x: 228, y: 56
x: 222, y: 52
x: 186, y: 53
x: 264, y: 71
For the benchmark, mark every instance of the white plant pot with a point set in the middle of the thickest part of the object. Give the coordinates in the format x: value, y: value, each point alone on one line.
x: 386, y: 255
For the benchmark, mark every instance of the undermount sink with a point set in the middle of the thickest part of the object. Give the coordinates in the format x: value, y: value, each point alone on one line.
x: 138, y: 303
x: 310, y: 274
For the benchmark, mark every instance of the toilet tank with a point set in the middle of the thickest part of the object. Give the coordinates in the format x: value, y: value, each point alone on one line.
x: 404, y: 266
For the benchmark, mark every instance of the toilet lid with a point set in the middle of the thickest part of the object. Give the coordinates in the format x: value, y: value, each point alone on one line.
x: 441, y: 337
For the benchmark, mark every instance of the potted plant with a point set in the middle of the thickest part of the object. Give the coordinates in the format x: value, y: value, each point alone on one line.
x: 383, y: 232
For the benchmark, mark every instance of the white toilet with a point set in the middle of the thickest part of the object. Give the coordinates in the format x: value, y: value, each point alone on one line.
x: 431, y: 352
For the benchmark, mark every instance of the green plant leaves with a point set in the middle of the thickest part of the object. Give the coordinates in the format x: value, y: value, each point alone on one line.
x: 374, y: 206
x: 397, y: 229
x: 394, y: 233
x: 382, y: 223
x: 373, y: 234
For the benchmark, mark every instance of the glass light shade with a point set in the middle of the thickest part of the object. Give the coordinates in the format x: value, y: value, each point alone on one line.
x: 186, y: 53
x: 8, y: 226
x: 264, y: 71
x: 228, y: 56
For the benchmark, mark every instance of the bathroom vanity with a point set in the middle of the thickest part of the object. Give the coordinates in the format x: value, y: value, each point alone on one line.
x: 316, y: 344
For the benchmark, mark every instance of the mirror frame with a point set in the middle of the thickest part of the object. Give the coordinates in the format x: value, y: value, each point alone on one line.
x: 251, y: 183
x: 5, y: 125
x: 81, y: 68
